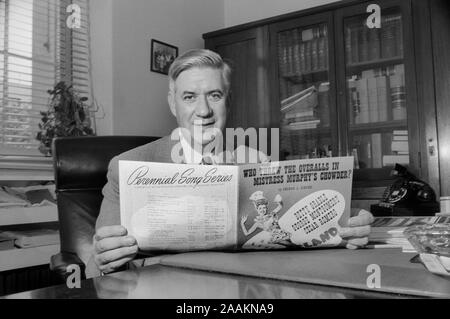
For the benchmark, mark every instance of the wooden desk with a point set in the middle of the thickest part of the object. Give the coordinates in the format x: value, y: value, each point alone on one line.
x: 336, y: 273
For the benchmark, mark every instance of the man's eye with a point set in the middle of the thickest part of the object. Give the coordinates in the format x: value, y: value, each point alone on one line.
x: 216, y: 96
x: 188, y: 98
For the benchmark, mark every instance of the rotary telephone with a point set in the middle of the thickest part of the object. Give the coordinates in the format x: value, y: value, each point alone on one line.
x: 407, y: 196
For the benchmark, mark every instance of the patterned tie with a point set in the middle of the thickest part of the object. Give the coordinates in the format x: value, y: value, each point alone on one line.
x: 206, y: 160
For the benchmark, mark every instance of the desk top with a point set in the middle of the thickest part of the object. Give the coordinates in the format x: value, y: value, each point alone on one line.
x: 334, y: 273
x: 164, y: 282
x: 329, y: 267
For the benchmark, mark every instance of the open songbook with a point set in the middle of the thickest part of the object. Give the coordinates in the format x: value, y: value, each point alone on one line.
x: 278, y: 205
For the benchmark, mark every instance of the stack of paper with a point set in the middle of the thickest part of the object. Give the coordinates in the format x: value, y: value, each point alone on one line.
x: 32, y: 237
x: 299, y: 110
x: 387, y: 232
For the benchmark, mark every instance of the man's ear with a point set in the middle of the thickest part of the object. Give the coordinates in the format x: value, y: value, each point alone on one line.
x: 171, y: 101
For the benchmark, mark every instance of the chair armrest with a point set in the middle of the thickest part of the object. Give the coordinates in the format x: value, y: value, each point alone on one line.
x: 60, y: 262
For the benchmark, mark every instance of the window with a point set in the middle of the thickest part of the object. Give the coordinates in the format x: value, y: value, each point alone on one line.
x: 38, y: 49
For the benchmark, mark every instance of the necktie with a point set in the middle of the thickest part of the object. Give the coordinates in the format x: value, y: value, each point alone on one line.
x: 207, y: 160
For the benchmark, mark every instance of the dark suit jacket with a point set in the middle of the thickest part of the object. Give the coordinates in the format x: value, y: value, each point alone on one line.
x: 157, y: 151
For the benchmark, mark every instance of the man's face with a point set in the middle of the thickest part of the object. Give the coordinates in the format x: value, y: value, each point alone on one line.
x: 198, y: 101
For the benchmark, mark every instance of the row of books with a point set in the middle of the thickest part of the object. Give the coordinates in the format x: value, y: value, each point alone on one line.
x: 303, y: 51
x: 363, y: 44
x: 377, y: 95
x: 381, y: 149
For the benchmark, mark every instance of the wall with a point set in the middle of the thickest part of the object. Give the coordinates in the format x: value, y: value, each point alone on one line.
x: 134, y: 98
x: 131, y: 99
x: 243, y: 11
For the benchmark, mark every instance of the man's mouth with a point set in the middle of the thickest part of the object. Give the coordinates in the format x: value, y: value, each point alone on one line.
x: 204, y: 123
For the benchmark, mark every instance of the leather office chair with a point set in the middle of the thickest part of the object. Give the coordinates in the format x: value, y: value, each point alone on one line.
x: 80, y: 166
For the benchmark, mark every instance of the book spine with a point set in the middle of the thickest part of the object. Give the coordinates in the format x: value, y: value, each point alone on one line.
x: 382, y: 98
x: 315, y: 50
x: 348, y: 45
x: 297, y: 66
x: 398, y: 94
x: 399, y: 36
x: 364, y: 100
x: 400, y: 132
x: 355, y: 158
x: 388, y: 38
x: 303, y: 57
x: 376, y: 151
x: 400, y: 146
x: 299, y: 120
x: 353, y: 102
x: 400, y: 138
x: 304, y: 123
x: 366, y: 152
x: 308, y: 56
x: 391, y: 160
x: 291, y: 115
x: 364, y: 44
x: 321, y: 48
x: 323, y: 104
x: 325, y: 36
x: 386, y: 140
x: 290, y: 53
x: 373, y: 99
x: 374, y: 44
x: 282, y: 51
x: 354, y: 43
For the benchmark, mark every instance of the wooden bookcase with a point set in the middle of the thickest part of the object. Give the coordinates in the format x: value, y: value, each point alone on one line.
x: 375, y: 88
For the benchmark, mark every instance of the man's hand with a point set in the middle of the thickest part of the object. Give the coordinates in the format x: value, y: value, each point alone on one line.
x: 113, y: 248
x: 358, y: 230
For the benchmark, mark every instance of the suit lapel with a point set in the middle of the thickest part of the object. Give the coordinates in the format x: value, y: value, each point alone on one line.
x: 164, y: 151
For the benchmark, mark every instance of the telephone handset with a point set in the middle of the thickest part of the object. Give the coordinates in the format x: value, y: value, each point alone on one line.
x: 407, y: 196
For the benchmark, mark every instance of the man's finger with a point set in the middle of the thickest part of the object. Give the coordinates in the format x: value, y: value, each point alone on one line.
x: 111, y: 243
x: 358, y: 242
x: 116, y: 254
x: 110, y: 231
x: 112, y: 266
x: 361, y: 231
x: 363, y: 218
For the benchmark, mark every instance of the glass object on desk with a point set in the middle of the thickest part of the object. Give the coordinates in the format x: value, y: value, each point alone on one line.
x: 430, y: 239
x: 304, y: 93
x: 376, y: 95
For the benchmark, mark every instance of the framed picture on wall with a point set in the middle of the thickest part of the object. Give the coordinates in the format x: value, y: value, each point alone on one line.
x: 162, y: 56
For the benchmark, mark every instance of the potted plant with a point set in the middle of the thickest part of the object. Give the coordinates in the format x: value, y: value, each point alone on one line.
x: 67, y: 115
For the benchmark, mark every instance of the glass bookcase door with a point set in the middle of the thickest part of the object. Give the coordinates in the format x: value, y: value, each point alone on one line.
x: 304, y: 92
x: 376, y: 91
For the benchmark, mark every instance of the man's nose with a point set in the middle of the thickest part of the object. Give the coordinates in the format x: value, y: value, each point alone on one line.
x: 203, y: 109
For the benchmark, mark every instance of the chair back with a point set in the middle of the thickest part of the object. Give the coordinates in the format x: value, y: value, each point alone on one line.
x: 80, y: 166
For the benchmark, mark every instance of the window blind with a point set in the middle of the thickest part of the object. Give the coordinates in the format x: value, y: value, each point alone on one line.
x: 37, y: 50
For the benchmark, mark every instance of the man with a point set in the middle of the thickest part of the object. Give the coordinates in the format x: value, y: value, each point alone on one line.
x: 198, y: 90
